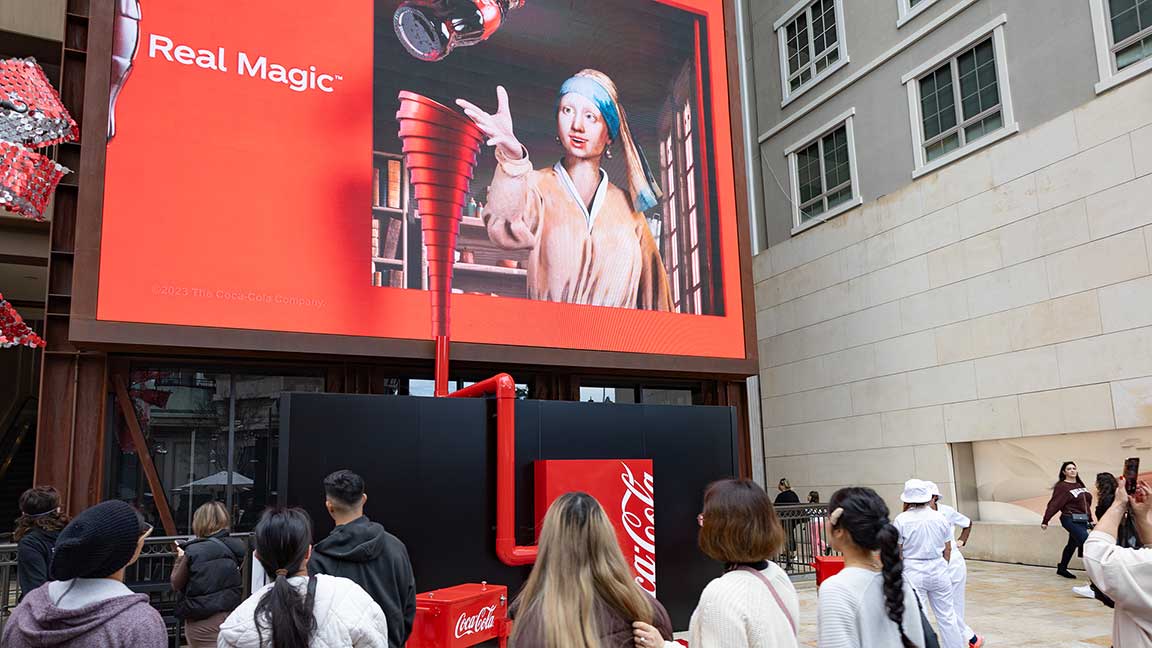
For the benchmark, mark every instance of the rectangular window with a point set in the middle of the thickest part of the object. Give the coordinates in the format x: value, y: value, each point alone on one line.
x: 811, y: 39
x: 823, y: 172
x: 1123, y: 33
x: 959, y: 100
x: 950, y: 124
x: 909, y: 9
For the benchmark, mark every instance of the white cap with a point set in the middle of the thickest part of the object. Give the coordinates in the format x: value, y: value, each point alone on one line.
x: 933, y: 488
x: 916, y: 492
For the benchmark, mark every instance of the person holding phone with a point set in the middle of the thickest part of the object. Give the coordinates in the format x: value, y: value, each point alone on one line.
x: 1072, y: 499
x: 207, y: 576
x: 1122, y: 573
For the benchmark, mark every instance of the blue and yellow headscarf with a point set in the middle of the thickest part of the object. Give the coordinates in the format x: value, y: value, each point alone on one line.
x: 599, y: 89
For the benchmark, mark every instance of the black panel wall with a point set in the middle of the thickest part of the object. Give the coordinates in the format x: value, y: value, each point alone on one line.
x: 430, y: 468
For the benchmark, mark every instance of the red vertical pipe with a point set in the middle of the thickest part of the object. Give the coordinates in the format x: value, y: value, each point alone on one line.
x: 442, y: 344
x: 504, y: 388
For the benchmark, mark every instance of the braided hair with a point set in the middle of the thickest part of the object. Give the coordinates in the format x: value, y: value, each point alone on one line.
x: 864, y: 515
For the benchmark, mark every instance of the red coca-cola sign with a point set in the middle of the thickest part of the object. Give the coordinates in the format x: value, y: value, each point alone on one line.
x: 625, y: 488
x: 469, y: 624
x: 460, y: 616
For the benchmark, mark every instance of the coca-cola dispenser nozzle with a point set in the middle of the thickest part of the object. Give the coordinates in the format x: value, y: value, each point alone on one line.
x: 440, y: 147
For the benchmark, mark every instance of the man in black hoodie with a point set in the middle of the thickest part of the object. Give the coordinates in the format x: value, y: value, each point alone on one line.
x: 362, y: 551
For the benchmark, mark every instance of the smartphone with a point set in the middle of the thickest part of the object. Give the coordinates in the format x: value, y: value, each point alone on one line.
x: 1131, y: 474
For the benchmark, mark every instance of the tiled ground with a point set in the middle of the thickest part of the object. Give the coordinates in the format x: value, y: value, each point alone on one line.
x: 1012, y: 606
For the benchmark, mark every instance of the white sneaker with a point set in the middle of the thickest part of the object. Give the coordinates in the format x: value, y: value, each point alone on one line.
x: 1085, y: 591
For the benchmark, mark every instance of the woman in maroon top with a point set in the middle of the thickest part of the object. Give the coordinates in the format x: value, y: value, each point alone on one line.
x: 1074, y: 503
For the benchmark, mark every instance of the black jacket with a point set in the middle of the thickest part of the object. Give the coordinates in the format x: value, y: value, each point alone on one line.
x: 215, y: 578
x: 34, y: 559
x: 788, y: 497
x: 376, y: 560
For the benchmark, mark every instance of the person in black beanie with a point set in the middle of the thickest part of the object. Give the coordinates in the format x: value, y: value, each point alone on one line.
x: 86, y: 604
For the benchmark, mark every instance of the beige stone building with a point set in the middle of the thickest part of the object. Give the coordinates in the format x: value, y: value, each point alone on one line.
x: 967, y: 300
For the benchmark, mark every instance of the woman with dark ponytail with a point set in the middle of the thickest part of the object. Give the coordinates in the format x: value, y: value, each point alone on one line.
x: 868, y: 604
x: 295, y: 610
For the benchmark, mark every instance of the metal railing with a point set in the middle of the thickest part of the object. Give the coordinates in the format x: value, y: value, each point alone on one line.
x: 805, y: 537
x: 150, y: 575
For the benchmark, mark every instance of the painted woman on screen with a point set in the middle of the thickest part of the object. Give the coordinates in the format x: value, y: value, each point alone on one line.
x: 589, y: 241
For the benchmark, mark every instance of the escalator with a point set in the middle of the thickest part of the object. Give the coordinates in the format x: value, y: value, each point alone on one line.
x: 17, y: 461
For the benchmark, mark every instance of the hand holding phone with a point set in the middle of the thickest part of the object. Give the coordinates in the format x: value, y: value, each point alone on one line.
x: 1131, y: 474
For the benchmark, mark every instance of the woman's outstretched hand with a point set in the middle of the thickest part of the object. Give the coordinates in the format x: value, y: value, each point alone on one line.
x: 496, y: 127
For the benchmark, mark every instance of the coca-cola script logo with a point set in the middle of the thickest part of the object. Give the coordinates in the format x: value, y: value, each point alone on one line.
x: 483, y: 620
x: 641, y: 526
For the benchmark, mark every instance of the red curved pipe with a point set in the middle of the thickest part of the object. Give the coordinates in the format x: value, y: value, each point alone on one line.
x: 504, y: 388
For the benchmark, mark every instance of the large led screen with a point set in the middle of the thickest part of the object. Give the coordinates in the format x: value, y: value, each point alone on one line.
x: 562, y: 172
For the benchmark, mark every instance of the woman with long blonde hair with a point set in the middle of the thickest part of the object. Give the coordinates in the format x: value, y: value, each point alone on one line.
x: 581, y: 593
x: 589, y: 240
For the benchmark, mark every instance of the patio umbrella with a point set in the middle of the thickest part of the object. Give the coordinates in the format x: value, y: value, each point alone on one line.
x: 219, y: 479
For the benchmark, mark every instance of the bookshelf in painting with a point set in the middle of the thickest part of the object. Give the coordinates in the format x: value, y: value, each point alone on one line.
x: 389, y: 222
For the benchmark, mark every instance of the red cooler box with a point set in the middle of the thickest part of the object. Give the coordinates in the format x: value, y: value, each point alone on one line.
x: 464, y: 615
x: 827, y: 566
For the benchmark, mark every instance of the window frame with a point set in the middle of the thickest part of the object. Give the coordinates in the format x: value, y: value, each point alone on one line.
x: 803, y: 6
x: 846, y: 120
x: 911, y: 81
x: 909, y: 12
x: 1110, y: 77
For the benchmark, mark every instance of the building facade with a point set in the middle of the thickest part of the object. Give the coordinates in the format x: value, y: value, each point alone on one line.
x: 955, y: 279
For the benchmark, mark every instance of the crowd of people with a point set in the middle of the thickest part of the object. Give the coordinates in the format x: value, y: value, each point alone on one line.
x: 356, y: 586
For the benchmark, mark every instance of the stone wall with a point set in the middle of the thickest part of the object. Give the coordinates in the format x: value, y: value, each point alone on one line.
x: 1007, y: 294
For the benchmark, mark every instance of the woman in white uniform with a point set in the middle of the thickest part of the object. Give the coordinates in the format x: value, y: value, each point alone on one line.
x: 957, y: 566
x: 925, y: 539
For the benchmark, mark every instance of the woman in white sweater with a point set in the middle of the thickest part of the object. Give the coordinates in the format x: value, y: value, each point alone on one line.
x: 295, y: 610
x: 753, y: 605
x: 868, y: 604
x: 1124, y: 574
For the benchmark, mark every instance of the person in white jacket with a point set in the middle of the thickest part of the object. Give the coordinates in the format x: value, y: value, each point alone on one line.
x: 754, y: 604
x: 1123, y: 574
x: 295, y: 610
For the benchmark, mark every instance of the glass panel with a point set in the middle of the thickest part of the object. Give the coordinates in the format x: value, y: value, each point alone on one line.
x: 1135, y: 52
x: 836, y: 167
x: 938, y: 105
x: 913, y: 3
x: 808, y: 172
x: 978, y: 88
x: 983, y: 127
x: 1129, y: 17
x: 839, y: 197
x: 950, y: 143
x: 607, y: 394
x: 811, y: 211
x: 257, y: 442
x: 183, y: 415
x: 797, y: 44
x: 823, y: 26
x: 666, y: 396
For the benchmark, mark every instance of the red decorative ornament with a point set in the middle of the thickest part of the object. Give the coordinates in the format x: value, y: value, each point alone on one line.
x: 13, y: 330
x: 27, y: 180
x: 31, y: 112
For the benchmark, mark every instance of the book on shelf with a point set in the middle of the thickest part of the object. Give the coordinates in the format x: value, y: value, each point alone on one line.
x: 377, y: 278
x: 394, y: 172
x: 392, y: 238
x: 396, y: 278
x: 375, y: 186
x: 375, y: 238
